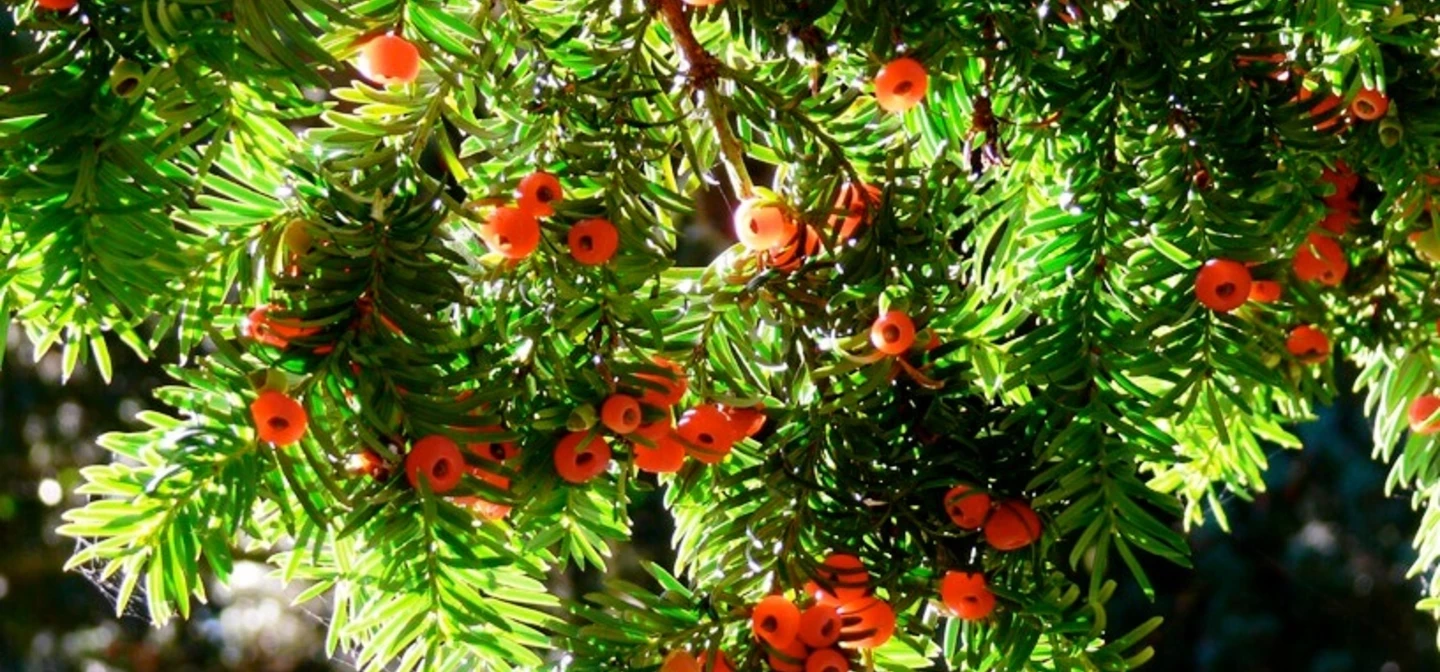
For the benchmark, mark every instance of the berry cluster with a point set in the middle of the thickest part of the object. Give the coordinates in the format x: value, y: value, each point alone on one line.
x: 1224, y: 285
x: 1008, y: 524
x: 841, y: 615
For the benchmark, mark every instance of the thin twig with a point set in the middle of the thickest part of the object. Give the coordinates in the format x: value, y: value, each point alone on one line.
x: 704, y: 73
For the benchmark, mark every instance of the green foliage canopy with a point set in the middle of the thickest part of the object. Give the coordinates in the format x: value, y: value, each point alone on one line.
x: 1043, y: 214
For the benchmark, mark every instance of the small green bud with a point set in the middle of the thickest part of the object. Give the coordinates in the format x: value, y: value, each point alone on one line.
x: 125, y: 79
x: 581, y: 419
x: 1391, y: 131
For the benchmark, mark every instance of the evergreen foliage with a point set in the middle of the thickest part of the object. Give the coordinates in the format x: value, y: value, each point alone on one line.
x: 1042, y: 217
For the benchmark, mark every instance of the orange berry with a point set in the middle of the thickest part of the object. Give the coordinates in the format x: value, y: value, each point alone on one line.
x: 479, y: 505
x: 389, y: 59
x: 621, y: 413
x: 745, y: 421
x: 820, y: 626
x: 537, y: 193
x: 892, y: 333
x: 672, y: 387
x: 800, y: 247
x: 707, y: 433
x: 776, y: 620
x: 664, y: 454
x: 761, y: 227
x: 680, y: 661
x: 580, y: 457
x: 701, y: 3
x: 1338, y: 221
x: 827, y: 660
x: 851, y: 202
x: 57, y: 5
x: 1369, y: 105
x: 866, y: 623
x: 788, y: 658
x: 273, y: 331
x: 1321, y: 258
x: 844, y: 577
x: 437, y: 459
x: 494, y: 452
x: 966, y: 594
x: 593, y: 241
x: 901, y: 85
x: 511, y: 232
x: 1330, y: 102
x: 1012, y: 525
x: 279, y: 420
x: 1222, y: 285
x: 967, y: 507
x: 1422, y: 414
x: 1264, y: 291
x: 1308, y: 344
x: 716, y: 661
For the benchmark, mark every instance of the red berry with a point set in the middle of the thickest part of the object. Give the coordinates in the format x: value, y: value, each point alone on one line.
x: 437, y: 459
x: 57, y: 5
x: 1422, y: 414
x: 716, y: 661
x: 279, y: 419
x: 866, y: 623
x: 1308, y: 344
x: 967, y: 507
x: 844, y: 576
x: 479, y: 505
x: 707, y: 433
x: 1321, y: 258
x: 820, y: 626
x: 745, y: 422
x: 671, y: 387
x: 1012, y: 525
x: 274, y: 332
x: 580, y: 457
x: 1369, y: 105
x: 901, y: 85
x: 801, y: 246
x: 1222, y: 285
x: 664, y: 454
x: 511, y: 232
x: 892, y: 333
x: 620, y: 413
x: 593, y: 241
x: 389, y: 59
x: 853, y: 210
x: 788, y: 658
x: 494, y: 452
x: 761, y: 227
x: 827, y: 660
x: 1330, y: 102
x: 537, y: 193
x: 1338, y: 221
x: 680, y: 661
x: 776, y: 620
x: 966, y: 594
x: 1264, y: 291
